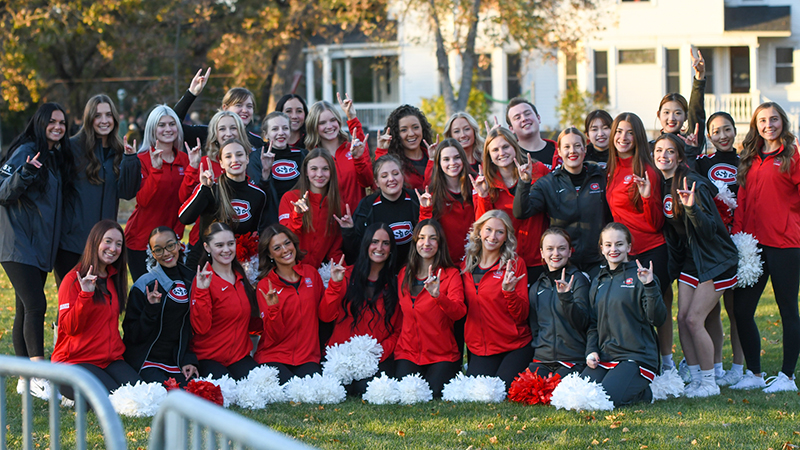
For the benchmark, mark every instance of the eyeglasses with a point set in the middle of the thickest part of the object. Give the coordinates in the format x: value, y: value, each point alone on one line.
x: 158, y: 251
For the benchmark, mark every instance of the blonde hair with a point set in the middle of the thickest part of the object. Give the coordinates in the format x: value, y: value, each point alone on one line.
x: 149, y: 140
x: 474, y: 248
x: 477, y: 146
x: 213, y: 146
x: 313, y: 140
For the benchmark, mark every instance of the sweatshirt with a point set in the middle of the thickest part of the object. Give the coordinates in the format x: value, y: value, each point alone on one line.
x: 644, y: 220
x: 323, y: 241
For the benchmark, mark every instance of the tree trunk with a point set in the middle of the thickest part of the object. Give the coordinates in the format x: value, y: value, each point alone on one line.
x: 468, y: 59
x: 291, y: 61
x: 443, y: 65
x: 269, y: 81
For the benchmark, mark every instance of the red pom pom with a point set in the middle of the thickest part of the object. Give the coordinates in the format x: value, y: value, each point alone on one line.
x: 724, y: 212
x: 530, y: 388
x: 246, y: 245
x: 171, y: 384
x: 206, y: 390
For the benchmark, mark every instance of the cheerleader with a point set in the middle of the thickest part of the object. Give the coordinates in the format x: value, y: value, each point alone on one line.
x: 90, y: 301
x: 157, y: 327
x: 309, y: 210
x: 290, y: 294
x: 768, y: 172
x: 412, y: 133
x: 465, y: 129
x: 432, y: 299
x: 223, y: 309
x: 294, y: 106
x: 573, y: 196
x: 497, y: 331
x: 673, y: 111
x: 559, y: 310
x: 702, y: 255
x: 287, y: 159
x: 598, y: 129
x: 363, y: 300
x: 624, y: 306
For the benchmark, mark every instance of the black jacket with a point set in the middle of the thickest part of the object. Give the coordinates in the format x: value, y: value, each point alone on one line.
x: 559, y: 320
x: 622, y: 314
x: 92, y: 203
x: 696, y: 115
x: 582, y: 214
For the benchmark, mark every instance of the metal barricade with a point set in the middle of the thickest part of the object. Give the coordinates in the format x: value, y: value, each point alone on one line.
x: 87, y: 388
x: 183, y: 417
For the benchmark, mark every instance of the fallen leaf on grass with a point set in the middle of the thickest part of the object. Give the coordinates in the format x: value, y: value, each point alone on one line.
x: 642, y: 447
x: 762, y: 432
x: 493, y: 439
x: 606, y: 440
x: 146, y: 429
x: 401, y: 433
x: 595, y: 442
x: 490, y: 426
x: 745, y: 401
x: 796, y: 432
x: 694, y: 441
x: 616, y: 424
x: 461, y: 433
x: 130, y: 433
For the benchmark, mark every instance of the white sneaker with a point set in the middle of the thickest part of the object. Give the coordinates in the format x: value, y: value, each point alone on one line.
x: 698, y: 389
x: 40, y: 388
x: 730, y: 378
x: 780, y: 383
x: 667, y: 367
x: 750, y: 381
x: 67, y: 403
x: 684, y: 372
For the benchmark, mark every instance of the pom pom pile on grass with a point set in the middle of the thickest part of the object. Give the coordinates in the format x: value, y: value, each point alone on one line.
x: 531, y: 388
x: 382, y: 390
x: 474, y: 389
x: 316, y: 388
x: 353, y: 360
x: 576, y: 393
x: 140, y: 400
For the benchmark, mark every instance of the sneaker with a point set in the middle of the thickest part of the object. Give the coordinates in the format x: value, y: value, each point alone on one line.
x: 750, y: 381
x: 780, y: 383
x: 730, y: 378
x: 691, y: 387
x: 40, y: 388
x: 667, y: 367
x: 67, y: 403
x: 684, y: 372
x: 697, y: 389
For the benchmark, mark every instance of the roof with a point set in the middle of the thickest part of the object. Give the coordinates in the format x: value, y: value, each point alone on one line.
x: 758, y: 18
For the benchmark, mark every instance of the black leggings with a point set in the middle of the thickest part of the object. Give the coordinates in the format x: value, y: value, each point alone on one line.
x: 660, y: 258
x: 545, y: 369
x: 65, y: 261
x: 31, y: 306
x: 286, y: 372
x: 156, y: 375
x: 238, y: 370
x: 137, y: 263
x: 506, y: 365
x: 436, y: 374
x: 113, y: 376
x: 359, y: 387
x: 624, y: 384
x: 783, y: 266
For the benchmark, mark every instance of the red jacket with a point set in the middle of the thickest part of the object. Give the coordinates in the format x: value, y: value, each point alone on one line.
x: 158, y: 200
x: 324, y: 241
x: 427, y: 333
x: 455, y: 221
x: 528, y: 231
x: 291, y: 328
x: 646, y: 225
x: 497, y: 321
x: 88, y: 332
x: 354, y: 175
x: 370, y: 323
x: 769, y: 203
x: 412, y: 179
x: 221, y: 321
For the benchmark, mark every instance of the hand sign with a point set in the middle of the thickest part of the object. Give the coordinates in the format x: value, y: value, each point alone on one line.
x: 358, y: 146
x: 206, y: 176
x: 199, y: 82
x: 129, y: 150
x: 643, y: 184
x: 156, y: 158
x: 525, y: 170
x: 686, y: 195
x: 267, y: 158
x: 480, y: 184
x: 153, y: 296
x: 561, y: 285
x: 301, y: 205
x: 432, y: 282
x: 87, y: 282
x: 699, y: 65
x: 645, y: 274
x: 346, y: 221
x: 203, y: 278
x: 425, y: 200
x: 691, y: 140
x: 347, y: 105
x: 34, y: 161
x: 509, y: 280
x: 432, y: 147
x: 195, y: 155
x: 337, y: 270
x: 489, y: 129
x: 385, y: 138
x: 271, y: 296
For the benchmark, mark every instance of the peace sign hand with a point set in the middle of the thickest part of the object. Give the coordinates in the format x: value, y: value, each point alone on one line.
x: 357, y: 146
x: 432, y: 282
x: 206, y: 176
x: 337, y: 270
x: 480, y: 184
x: 691, y: 140
x: 301, y: 205
x: 509, y: 280
x: 203, y: 278
x: 271, y: 296
x: 432, y: 147
x: 525, y: 170
x: 561, y: 285
x: 643, y: 184
x: 425, y: 200
x: 687, y: 195
x: 385, y: 138
x: 88, y: 282
x: 34, y: 161
x: 645, y: 274
x: 199, y: 82
x: 699, y: 65
x: 129, y: 150
x: 194, y: 153
x: 347, y: 105
x: 346, y: 221
x: 153, y: 296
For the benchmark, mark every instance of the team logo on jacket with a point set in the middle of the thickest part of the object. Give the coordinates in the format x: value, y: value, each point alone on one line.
x: 723, y: 172
x: 7, y: 169
x: 668, y: 206
x: 402, y: 232
x: 309, y: 283
x: 628, y: 283
x: 179, y: 293
x: 285, y: 169
x: 242, y: 209
x: 627, y: 179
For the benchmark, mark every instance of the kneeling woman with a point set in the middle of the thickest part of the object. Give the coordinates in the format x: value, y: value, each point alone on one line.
x: 223, y: 309
x: 364, y: 301
x: 559, y: 313
x: 157, y: 327
x: 496, y: 331
x: 625, y: 304
x: 90, y: 300
x: 432, y: 299
x: 289, y: 294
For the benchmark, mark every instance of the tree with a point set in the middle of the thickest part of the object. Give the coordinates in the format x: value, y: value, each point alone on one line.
x: 574, y: 105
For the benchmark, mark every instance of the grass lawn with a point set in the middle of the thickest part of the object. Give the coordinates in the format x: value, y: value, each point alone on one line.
x: 731, y: 420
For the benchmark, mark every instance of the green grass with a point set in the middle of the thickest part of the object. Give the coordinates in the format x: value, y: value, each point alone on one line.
x: 731, y: 420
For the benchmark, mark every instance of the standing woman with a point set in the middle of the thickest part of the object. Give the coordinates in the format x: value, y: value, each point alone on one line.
x: 432, y: 299
x: 90, y: 301
x: 497, y: 331
x: 325, y: 128
x: 769, y: 171
x: 408, y: 135
x: 363, y: 300
x: 223, y: 308
x: 163, y: 168
x: 107, y: 170
x: 36, y: 173
x: 703, y: 257
x: 295, y: 107
x: 598, y: 130
x: 465, y: 129
x: 309, y: 210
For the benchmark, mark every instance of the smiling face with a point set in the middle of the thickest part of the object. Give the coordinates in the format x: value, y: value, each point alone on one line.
x: 226, y: 129
x: 380, y: 247
x: 410, y: 132
x: 666, y: 157
x: 493, y: 235
x: 278, y: 131
x: 555, y: 251
x: 166, y: 130
x: 297, y: 116
x: 282, y: 251
x: 110, y: 247
x: 450, y: 162
x: 390, y: 180
x: 624, y: 140
x: 56, y: 128
x: 165, y: 248
x: 461, y: 131
x: 319, y: 174
x: 615, y: 247
x: 243, y: 109
x: 501, y: 152
x: 524, y: 121
x: 722, y: 134
x: 328, y: 126
x: 103, y: 121
x: 222, y: 247
x: 769, y: 124
x: 427, y: 243
x: 599, y: 132
x: 672, y: 116
x: 233, y: 161
x: 572, y: 152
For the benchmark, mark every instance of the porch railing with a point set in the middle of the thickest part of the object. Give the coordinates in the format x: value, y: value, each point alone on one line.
x: 739, y: 106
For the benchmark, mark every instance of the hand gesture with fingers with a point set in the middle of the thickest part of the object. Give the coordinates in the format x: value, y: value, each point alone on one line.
x: 195, y: 155
x: 189, y: 371
x: 592, y: 359
x: 691, y: 140
x: 509, y: 280
x: 199, y: 82
x: 155, y: 158
x: 699, y: 65
x: 346, y: 221
x: 267, y: 158
x: 357, y: 146
x: 432, y: 147
x: 645, y: 274
x: 129, y: 150
x: 301, y: 205
x: 385, y: 138
x: 489, y: 129
x: 271, y: 296
x: 525, y: 170
x: 643, y: 184
x: 687, y: 195
x: 347, y: 105
x: 561, y: 285
x: 480, y: 184
x: 34, y: 161
x: 153, y: 296
x: 206, y: 176
x: 337, y: 270
x: 425, y: 200
x: 203, y: 277
x: 432, y: 282
x: 87, y: 282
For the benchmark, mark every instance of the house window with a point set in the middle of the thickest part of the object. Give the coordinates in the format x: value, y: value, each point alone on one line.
x: 514, y: 69
x: 483, y: 79
x: 784, y: 70
x: 740, y: 70
x: 601, y: 76
x: 375, y: 79
x: 673, y: 70
x: 638, y: 56
x: 572, y: 72
x: 708, y: 56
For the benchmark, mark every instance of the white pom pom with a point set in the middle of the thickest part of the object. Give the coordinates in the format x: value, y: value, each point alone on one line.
x: 315, y: 388
x: 750, y: 263
x: 139, y: 400
x: 668, y: 384
x: 251, y: 269
x: 576, y: 393
x: 260, y: 388
x: 474, y: 389
x: 230, y: 392
x: 325, y: 272
x: 414, y: 389
x: 725, y: 195
x: 382, y: 391
x: 355, y: 359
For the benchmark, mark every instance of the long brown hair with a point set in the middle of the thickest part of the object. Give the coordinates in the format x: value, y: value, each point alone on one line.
x: 265, y: 263
x: 225, y: 212
x: 236, y: 266
x: 330, y: 193
x: 490, y: 170
x: 642, y: 159
x: 440, y: 261
x: 680, y: 172
x: 753, y: 142
x: 438, y: 187
x: 91, y: 258
x: 89, y: 140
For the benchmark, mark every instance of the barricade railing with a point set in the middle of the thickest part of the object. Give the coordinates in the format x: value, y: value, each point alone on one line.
x: 184, y: 419
x: 87, y: 388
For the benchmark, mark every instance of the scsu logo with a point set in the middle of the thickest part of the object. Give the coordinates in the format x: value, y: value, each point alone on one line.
x: 179, y: 293
x: 723, y: 172
x: 242, y: 209
x: 402, y: 232
x: 285, y: 169
x: 668, y: 206
x: 628, y: 179
x: 594, y: 186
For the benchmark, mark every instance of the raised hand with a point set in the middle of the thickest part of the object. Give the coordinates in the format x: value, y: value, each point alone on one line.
x: 347, y: 105
x: 88, y: 282
x: 432, y: 282
x: 34, y: 161
x: 592, y: 359
x: 267, y: 158
x: 480, y: 184
x: 337, y: 270
x: 153, y: 296
x: 425, y: 200
x: 301, y: 205
x: 686, y: 194
x: 358, y: 146
x: 206, y: 176
x: 129, y: 150
x: 489, y: 129
x: 203, y: 277
x: 645, y: 274
x: 432, y: 147
x: 346, y: 221
x: 385, y: 138
x: 561, y: 285
x: 643, y: 184
x: 199, y: 82
x: 156, y: 158
x: 699, y: 65
x: 271, y: 296
x: 691, y: 140
x: 525, y: 170
x: 509, y: 280
x: 195, y: 154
